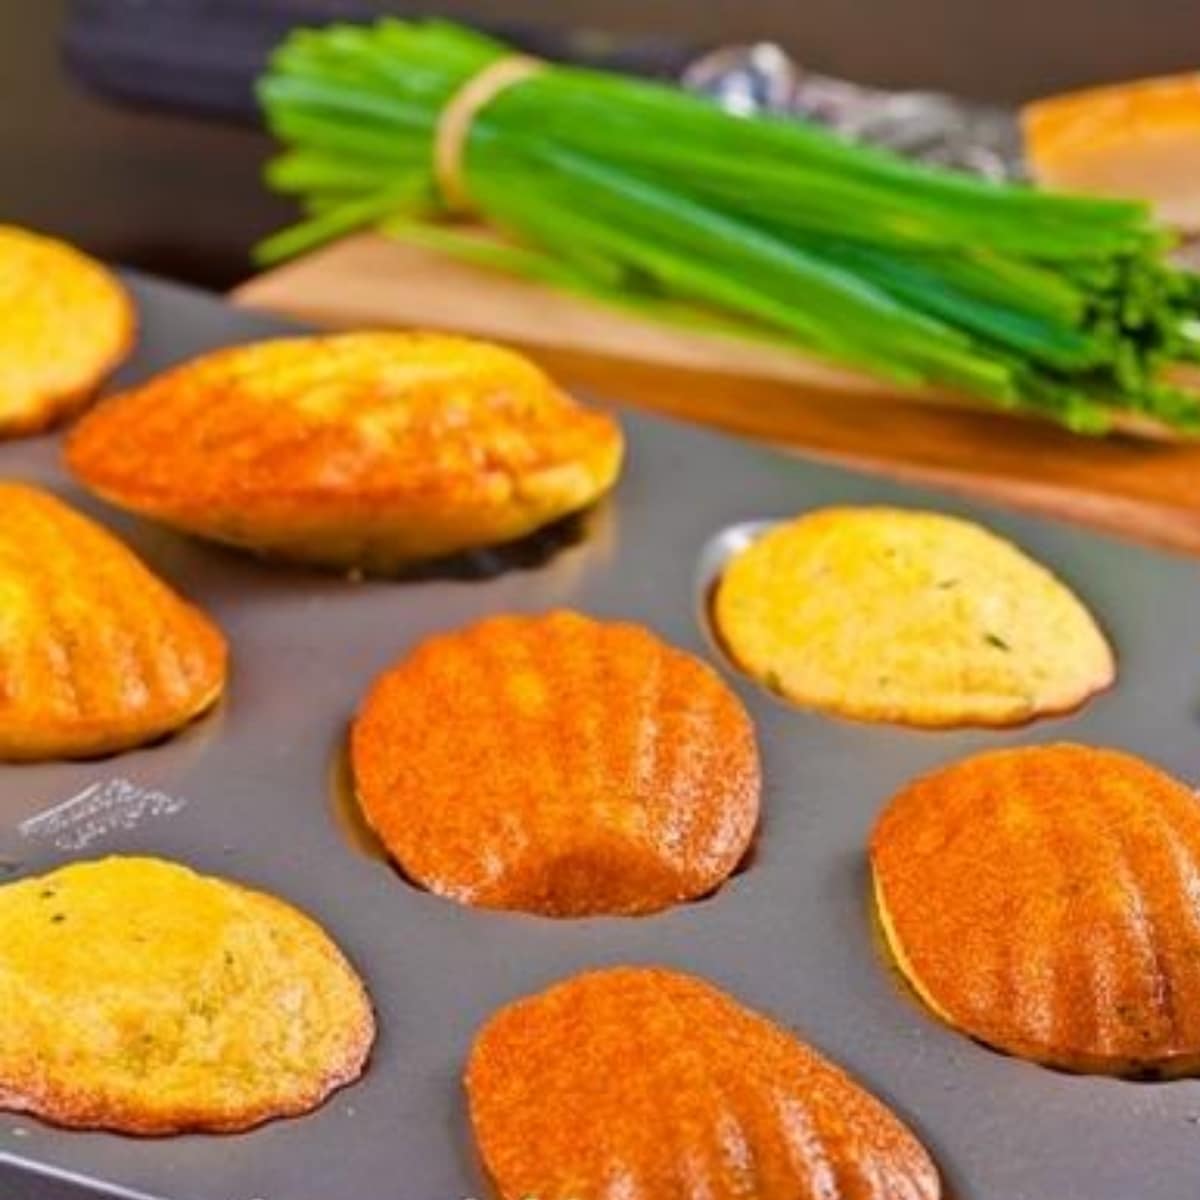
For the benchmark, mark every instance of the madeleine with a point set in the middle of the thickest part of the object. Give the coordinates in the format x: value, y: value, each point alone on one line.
x: 653, y: 1085
x: 65, y: 323
x: 884, y: 614
x: 96, y: 653
x: 557, y: 765
x: 364, y: 450
x: 142, y: 998
x: 1044, y: 901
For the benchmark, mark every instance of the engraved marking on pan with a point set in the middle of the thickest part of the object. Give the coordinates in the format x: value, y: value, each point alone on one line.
x: 100, y: 809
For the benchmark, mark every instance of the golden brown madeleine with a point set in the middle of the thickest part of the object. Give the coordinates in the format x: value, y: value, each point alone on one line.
x: 885, y: 614
x: 96, y: 653
x: 647, y: 1084
x: 140, y: 997
x: 558, y: 765
x: 1044, y: 901
x: 65, y: 323
x: 366, y: 450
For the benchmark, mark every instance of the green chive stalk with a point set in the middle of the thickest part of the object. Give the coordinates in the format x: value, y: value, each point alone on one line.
x: 642, y: 195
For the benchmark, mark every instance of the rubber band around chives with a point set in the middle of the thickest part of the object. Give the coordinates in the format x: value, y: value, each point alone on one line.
x: 454, y: 123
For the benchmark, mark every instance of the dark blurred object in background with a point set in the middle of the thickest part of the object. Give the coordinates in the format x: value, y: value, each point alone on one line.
x: 203, y: 56
x: 992, y: 50
x: 166, y: 193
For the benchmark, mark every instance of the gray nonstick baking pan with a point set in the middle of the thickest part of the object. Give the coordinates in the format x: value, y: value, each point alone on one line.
x: 256, y: 792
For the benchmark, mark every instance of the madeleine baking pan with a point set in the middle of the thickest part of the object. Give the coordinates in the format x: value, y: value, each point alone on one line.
x: 256, y: 792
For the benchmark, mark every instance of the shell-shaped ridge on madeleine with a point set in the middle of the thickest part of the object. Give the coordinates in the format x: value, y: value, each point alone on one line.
x: 1046, y: 901
x: 96, y: 653
x: 143, y: 998
x: 658, y: 1080
x: 361, y: 450
x: 559, y: 765
x: 886, y: 614
x: 65, y: 322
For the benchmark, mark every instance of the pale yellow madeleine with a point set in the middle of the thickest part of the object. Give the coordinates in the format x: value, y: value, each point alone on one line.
x: 887, y: 614
x: 140, y: 997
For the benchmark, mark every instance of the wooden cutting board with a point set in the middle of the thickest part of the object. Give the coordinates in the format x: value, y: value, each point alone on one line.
x: 1144, y: 489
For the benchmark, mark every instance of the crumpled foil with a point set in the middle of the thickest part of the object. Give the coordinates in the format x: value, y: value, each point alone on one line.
x: 928, y: 126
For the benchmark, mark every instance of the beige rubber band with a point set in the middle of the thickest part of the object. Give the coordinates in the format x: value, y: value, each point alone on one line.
x: 454, y: 124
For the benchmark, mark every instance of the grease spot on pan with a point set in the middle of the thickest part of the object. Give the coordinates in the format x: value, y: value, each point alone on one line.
x: 347, y: 816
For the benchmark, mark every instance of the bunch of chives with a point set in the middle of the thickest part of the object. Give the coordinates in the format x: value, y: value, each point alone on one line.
x: 643, y: 195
